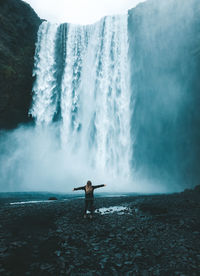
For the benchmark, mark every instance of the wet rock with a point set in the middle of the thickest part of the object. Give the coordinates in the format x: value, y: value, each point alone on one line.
x: 144, y: 273
x: 52, y: 198
x: 3, y: 249
x: 138, y: 254
x: 130, y: 229
x: 128, y: 263
x: 59, y: 230
x: 58, y: 253
x: 46, y: 266
x: 69, y: 269
x: 118, y: 265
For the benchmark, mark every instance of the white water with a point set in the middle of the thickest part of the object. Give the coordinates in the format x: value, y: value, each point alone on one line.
x: 110, y: 210
x: 30, y: 202
x: 82, y: 83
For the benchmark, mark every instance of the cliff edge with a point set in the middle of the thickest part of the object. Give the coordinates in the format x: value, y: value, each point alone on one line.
x: 18, y: 33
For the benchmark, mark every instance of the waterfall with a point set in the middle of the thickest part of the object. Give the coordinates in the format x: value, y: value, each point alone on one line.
x: 82, y: 84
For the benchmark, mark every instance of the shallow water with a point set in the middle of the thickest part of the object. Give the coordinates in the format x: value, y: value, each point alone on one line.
x: 30, y: 202
x: 112, y: 209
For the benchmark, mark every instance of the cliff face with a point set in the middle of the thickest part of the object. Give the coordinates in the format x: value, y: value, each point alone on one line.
x: 165, y: 66
x: 18, y: 33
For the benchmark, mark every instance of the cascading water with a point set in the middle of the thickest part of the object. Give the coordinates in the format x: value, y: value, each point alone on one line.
x: 82, y: 84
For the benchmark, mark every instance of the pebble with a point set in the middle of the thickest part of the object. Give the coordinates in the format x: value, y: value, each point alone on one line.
x: 58, y: 253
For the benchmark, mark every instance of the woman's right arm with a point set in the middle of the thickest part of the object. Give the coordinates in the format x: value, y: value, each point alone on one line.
x: 79, y: 188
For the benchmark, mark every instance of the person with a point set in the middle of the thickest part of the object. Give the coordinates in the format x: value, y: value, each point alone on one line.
x: 89, y: 196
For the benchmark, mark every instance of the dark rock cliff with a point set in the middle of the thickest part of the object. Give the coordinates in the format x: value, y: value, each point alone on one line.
x: 165, y: 65
x: 18, y: 32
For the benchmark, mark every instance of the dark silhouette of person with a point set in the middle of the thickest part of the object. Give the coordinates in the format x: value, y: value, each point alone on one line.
x: 89, y: 196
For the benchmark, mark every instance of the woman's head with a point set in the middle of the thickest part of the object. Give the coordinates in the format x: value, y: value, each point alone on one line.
x: 89, y: 183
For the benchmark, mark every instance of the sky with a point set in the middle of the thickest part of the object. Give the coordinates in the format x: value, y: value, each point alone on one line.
x: 80, y: 11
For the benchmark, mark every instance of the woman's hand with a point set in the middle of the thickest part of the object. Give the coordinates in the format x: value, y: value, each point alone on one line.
x: 104, y: 185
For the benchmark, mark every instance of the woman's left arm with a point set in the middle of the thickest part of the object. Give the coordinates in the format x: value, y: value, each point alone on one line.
x: 99, y: 186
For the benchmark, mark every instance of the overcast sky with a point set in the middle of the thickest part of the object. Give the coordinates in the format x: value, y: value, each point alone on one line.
x: 80, y: 11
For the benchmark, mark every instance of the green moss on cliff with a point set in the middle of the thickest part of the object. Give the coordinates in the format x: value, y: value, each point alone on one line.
x: 18, y: 33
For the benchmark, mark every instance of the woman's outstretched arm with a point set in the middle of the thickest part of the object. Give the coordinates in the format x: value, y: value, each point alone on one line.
x: 99, y: 186
x: 79, y: 188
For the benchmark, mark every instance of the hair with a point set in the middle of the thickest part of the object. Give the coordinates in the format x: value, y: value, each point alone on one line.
x: 89, y: 183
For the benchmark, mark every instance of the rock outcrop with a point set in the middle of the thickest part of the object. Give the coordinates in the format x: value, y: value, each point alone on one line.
x: 18, y: 33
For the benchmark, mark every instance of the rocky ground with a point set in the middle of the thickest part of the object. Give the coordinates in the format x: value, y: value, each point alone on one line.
x: 156, y: 235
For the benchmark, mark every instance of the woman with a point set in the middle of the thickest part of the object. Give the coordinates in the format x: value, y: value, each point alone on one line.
x: 89, y: 196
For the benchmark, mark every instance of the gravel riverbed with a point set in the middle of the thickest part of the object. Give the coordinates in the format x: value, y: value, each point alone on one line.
x: 150, y: 235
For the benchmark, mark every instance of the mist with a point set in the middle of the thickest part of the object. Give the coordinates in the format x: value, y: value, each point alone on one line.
x: 165, y: 76
x: 32, y: 160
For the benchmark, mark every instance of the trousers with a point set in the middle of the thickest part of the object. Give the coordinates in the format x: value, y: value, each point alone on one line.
x: 89, y: 205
